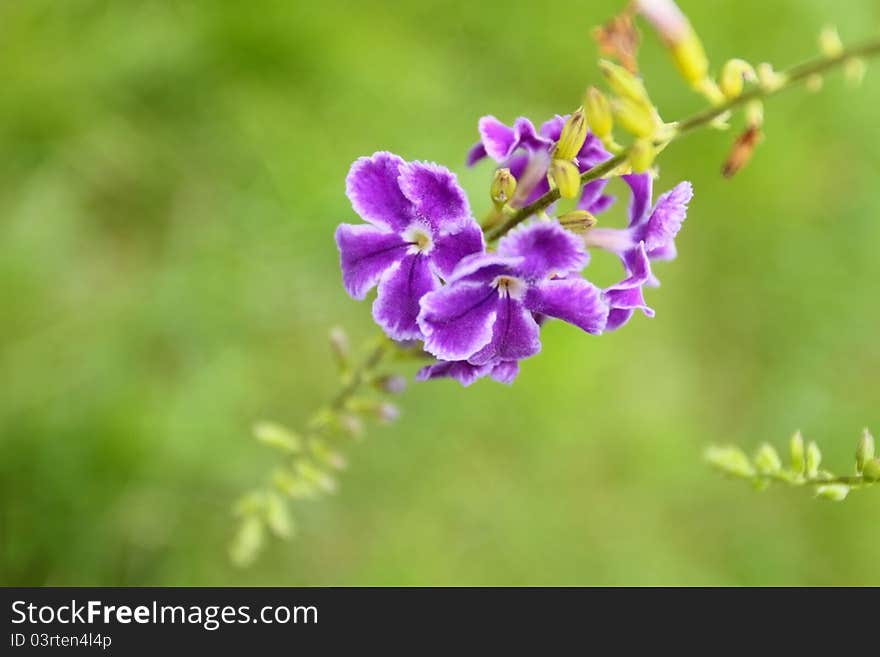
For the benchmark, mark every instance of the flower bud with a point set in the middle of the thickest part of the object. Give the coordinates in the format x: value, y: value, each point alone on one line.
x: 503, y: 187
x: 865, y: 450
x: 734, y: 74
x: 871, y: 471
x: 566, y: 176
x: 767, y: 460
x: 277, y: 437
x: 690, y: 58
x: 731, y: 460
x: 833, y: 492
x: 813, y: 460
x: 624, y: 83
x: 578, y: 221
x: 755, y: 113
x: 636, y: 118
x: 598, y: 112
x: 769, y: 79
x: 574, y: 133
x: 393, y: 384
x: 854, y: 70
x: 641, y: 155
x: 796, y: 449
x: 829, y: 42
x: 340, y: 346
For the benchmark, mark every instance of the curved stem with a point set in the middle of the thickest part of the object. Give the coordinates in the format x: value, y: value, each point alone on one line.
x: 791, y: 77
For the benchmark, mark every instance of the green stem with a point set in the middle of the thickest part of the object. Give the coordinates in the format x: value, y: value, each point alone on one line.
x: 792, y: 76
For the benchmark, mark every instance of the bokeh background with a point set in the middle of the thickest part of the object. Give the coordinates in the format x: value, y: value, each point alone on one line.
x: 171, y: 176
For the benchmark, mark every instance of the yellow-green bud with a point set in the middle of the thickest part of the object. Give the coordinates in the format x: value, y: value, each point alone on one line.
x: 503, y: 187
x: 566, y: 176
x: 814, y: 83
x: 690, y: 58
x: 854, y: 70
x: 871, y: 471
x: 813, y: 460
x: 733, y: 76
x: 833, y: 492
x: 578, y: 221
x: 641, y: 155
x: 865, y: 450
x: 574, y: 133
x: 829, y: 42
x: 755, y: 113
x: 768, y: 78
x: 731, y: 460
x: 598, y: 111
x: 798, y: 455
x: 636, y: 118
x: 767, y: 460
x: 624, y: 83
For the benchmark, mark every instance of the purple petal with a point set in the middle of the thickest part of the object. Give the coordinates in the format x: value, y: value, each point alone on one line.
x: 530, y: 171
x: 573, y: 300
x: 457, y: 319
x: 617, y: 318
x: 450, y: 249
x: 546, y: 248
x: 365, y: 253
x: 515, y: 334
x: 460, y: 370
x: 667, y: 217
x: 527, y: 137
x: 552, y: 129
x: 477, y: 153
x: 642, y: 185
x: 592, y: 153
x: 627, y: 296
x: 397, y: 304
x: 591, y: 193
x: 435, y: 195
x: 374, y: 192
x: 600, y: 205
x: 483, y: 268
x: 505, y: 371
x: 499, y: 140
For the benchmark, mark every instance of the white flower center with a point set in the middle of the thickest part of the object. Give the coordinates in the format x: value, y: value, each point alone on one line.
x: 509, y: 286
x: 419, y: 238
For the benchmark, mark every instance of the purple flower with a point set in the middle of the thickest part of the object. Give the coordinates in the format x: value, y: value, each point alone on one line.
x: 649, y: 236
x: 420, y: 227
x: 484, y: 314
x: 515, y: 147
x: 466, y: 373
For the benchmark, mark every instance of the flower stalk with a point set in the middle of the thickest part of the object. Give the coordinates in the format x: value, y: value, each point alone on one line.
x: 793, y: 76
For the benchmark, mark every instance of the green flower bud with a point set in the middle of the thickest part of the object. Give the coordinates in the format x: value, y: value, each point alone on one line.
x: 690, y: 58
x: 277, y: 517
x: 624, y: 83
x: 829, y: 42
x: 813, y: 460
x: 277, y: 437
x: 598, y: 112
x: 871, y: 471
x: 503, y: 187
x: 641, y: 155
x: 574, y: 133
x: 634, y: 117
x: 798, y: 457
x: 767, y: 460
x: 731, y: 460
x: 577, y: 221
x: 733, y: 76
x: 833, y: 492
x: 567, y: 178
x: 865, y: 450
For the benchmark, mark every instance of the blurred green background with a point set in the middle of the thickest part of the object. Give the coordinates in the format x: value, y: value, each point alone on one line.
x: 171, y: 176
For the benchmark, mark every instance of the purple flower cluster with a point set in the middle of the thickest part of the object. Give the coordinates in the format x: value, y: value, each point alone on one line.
x: 479, y: 312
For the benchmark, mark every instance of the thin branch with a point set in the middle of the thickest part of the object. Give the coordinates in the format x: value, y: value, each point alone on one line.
x: 791, y: 77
